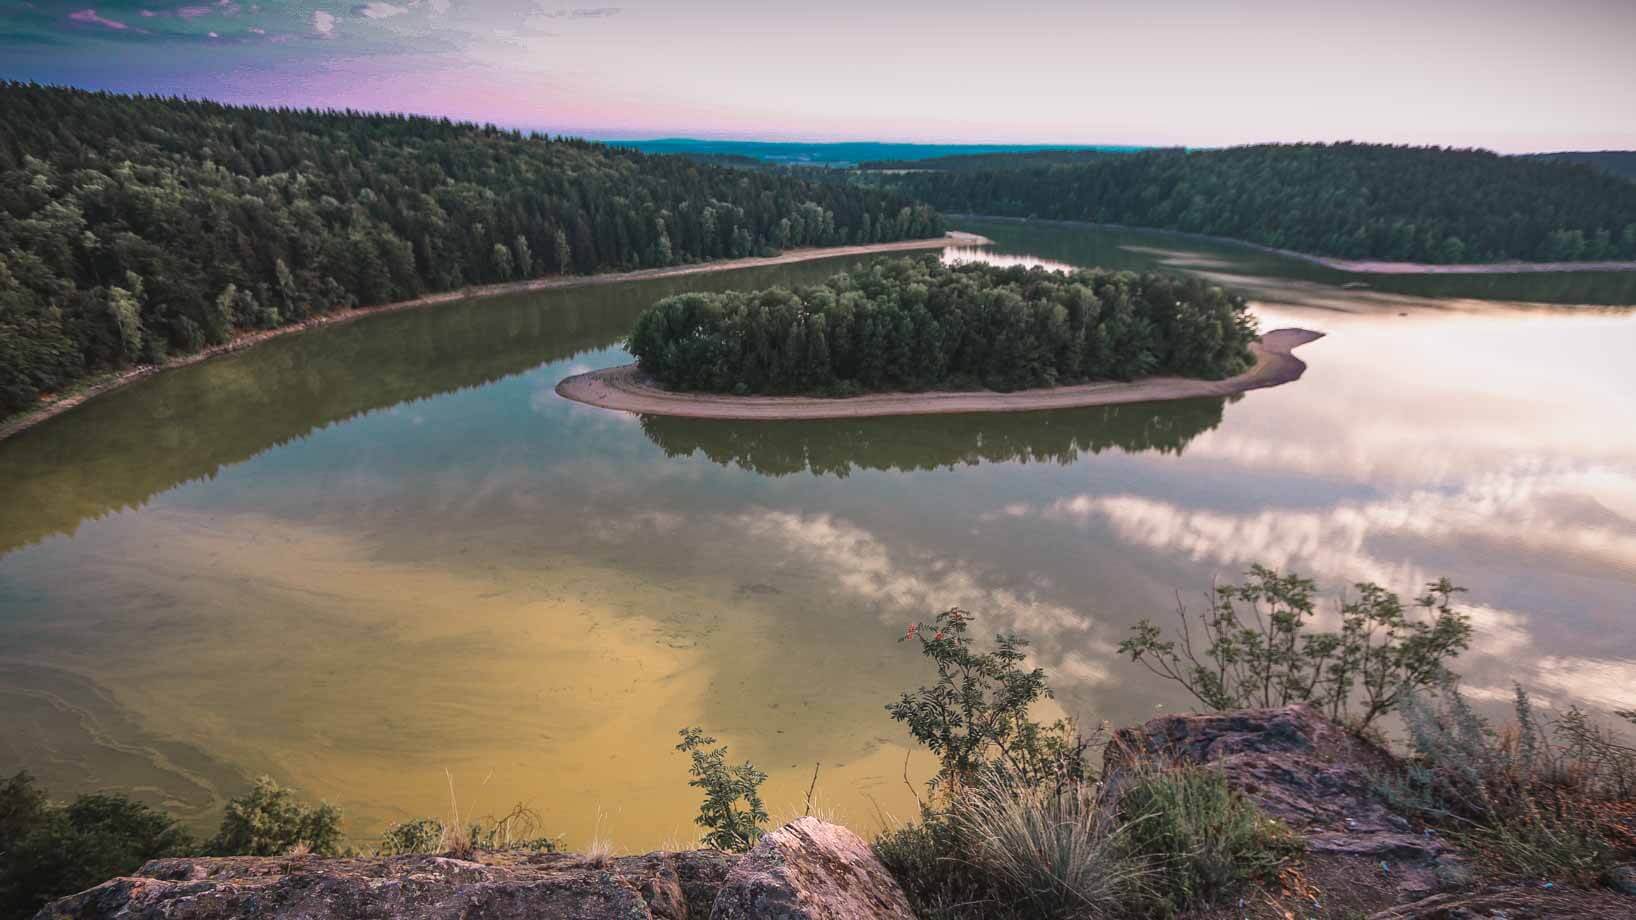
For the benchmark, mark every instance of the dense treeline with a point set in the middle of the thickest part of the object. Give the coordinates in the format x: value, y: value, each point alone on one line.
x: 1620, y: 163
x: 918, y: 323
x: 1422, y: 204
x: 133, y: 227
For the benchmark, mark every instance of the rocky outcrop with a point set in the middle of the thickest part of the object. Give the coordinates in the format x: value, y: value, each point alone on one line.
x: 804, y: 871
x: 1306, y: 771
x: 811, y: 870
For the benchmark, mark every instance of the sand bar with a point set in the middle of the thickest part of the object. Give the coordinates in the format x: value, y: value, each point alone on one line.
x: 626, y: 389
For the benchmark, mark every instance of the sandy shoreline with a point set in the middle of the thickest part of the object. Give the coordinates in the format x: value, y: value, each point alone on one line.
x: 90, y: 389
x: 1350, y: 266
x: 623, y: 388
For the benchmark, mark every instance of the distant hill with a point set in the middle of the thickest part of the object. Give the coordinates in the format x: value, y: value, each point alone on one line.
x: 1011, y: 159
x: 1613, y: 162
x: 1357, y: 201
x: 839, y: 154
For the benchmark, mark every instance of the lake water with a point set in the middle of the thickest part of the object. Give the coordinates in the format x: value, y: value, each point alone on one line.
x: 371, y: 558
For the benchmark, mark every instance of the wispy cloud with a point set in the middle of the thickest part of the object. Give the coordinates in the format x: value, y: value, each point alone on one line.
x: 90, y: 17
x: 323, y: 23
x: 378, y: 10
x: 596, y: 12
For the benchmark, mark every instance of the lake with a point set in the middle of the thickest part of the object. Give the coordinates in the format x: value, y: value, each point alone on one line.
x: 383, y: 557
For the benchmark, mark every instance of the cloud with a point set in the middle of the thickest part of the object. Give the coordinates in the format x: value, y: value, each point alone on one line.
x: 323, y: 23
x: 378, y: 10
x: 90, y: 17
x: 193, y: 12
x: 864, y: 566
x: 1611, y: 684
x: 598, y: 12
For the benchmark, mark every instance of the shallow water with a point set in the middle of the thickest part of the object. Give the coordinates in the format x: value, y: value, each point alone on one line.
x: 359, y: 558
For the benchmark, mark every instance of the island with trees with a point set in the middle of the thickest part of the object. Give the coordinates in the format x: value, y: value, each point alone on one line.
x: 1350, y: 201
x: 138, y: 228
x: 913, y: 336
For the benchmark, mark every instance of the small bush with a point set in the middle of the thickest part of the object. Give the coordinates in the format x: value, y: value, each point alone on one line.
x: 729, y: 826
x: 269, y: 821
x: 423, y: 835
x: 931, y: 860
x: 1198, y: 839
x: 1541, y: 799
x: 48, y: 851
x: 976, y: 717
x: 1258, y: 648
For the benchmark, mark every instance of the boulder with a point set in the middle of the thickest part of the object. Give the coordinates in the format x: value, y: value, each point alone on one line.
x: 808, y: 869
x: 811, y: 870
x: 1308, y: 772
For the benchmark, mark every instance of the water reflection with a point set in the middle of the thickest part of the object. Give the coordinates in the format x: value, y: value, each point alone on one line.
x: 919, y: 443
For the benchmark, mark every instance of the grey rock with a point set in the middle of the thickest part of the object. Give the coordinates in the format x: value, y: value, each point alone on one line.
x: 1308, y: 772
x: 499, y: 886
x: 810, y: 870
x: 1623, y: 880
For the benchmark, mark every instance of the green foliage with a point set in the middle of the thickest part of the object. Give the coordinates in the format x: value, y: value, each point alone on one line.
x: 241, y: 218
x: 49, y: 850
x: 1200, y: 839
x: 912, y: 324
x: 975, y: 718
x: 1257, y: 648
x: 729, y: 825
x: 518, y: 830
x: 1356, y: 201
x: 269, y: 821
x: 423, y: 835
x: 1541, y: 799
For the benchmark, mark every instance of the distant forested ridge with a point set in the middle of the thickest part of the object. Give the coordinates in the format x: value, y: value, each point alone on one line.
x: 135, y: 227
x: 1358, y: 201
x: 913, y: 324
x: 1019, y: 159
x: 1620, y: 163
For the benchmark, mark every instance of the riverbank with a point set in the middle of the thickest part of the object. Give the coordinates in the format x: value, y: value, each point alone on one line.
x: 624, y: 388
x: 62, y: 402
x: 1350, y: 266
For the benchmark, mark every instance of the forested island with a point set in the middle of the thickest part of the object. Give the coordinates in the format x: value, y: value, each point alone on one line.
x: 918, y: 324
x: 136, y: 227
x: 1353, y: 201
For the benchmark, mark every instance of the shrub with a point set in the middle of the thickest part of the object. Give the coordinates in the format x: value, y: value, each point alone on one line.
x: 269, y: 821
x: 423, y: 835
x: 1555, y: 800
x: 1199, y: 839
x: 1259, y: 648
x: 729, y: 826
x: 49, y: 850
x: 975, y: 718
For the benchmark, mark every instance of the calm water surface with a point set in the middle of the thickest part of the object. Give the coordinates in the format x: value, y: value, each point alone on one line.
x: 359, y: 558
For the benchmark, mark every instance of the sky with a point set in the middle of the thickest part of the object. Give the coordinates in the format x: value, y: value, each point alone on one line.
x: 1510, y: 75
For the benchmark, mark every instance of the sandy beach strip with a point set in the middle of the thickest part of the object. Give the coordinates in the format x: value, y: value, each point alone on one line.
x: 624, y: 388
x: 98, y: 386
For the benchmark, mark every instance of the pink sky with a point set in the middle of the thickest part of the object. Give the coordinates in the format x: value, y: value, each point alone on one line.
x: 1509, y: 75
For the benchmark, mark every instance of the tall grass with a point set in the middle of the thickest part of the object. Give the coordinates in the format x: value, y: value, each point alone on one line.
x: 1545, y: 799
x: 1060, y: 849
